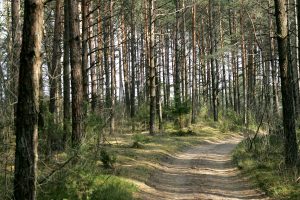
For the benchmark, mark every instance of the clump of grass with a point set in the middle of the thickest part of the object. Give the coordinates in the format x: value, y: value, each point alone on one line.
x: 139, y: 140
x: 112, y: 188
x: 264, y: 164
x: 86, y: 182
x: 107, y: 159
x: 184, y: 133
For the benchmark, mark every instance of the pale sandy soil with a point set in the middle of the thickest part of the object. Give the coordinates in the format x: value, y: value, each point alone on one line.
x: 202, y: 172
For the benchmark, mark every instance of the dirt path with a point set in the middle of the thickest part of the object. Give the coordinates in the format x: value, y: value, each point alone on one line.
x: 203, y: 172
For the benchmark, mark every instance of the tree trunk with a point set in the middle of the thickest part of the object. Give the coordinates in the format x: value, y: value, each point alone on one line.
x: 66, y: 71
x: 291, y: 147
x: 133, y: 62
x: 152, y: 67
x: 125, y: 64
x: 194, y: 65
x: 28, y: 102
x: 85, y: 27
x: 76, y: 74
x: 113, y: 70
x: 177, y: 95
x: 92, y: 46
x: 212, y: 63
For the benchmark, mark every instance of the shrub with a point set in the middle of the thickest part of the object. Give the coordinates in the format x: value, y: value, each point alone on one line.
x: 107, y: 159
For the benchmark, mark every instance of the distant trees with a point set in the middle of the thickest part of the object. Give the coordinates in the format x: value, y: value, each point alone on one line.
x: 28, y: 102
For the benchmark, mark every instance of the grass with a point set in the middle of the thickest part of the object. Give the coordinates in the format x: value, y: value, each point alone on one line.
x: 264, y: 165
x: 88, y: 179
x: 134, y: 157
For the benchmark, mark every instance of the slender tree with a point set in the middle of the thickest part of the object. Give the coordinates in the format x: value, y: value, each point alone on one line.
x: 76, y: 74
x: 66, y: 71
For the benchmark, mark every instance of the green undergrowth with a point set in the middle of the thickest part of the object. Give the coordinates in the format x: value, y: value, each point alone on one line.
x: 264, y: 165
x: 87, y: 181
x: 106, y: 171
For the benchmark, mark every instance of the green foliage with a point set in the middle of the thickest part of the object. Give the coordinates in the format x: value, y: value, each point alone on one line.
x: 115, y: 189
x: 139, y: 140
x: 142, y: 114
x: 183, y: 133
x: 182, y: 108
x: 264, y: 164
x: 94, y: 123
x: 107, y: 159
x: 81, y: 184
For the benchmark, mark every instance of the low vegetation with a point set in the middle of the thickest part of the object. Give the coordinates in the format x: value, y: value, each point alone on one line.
x: 264, y: 165
x: 109, y: 170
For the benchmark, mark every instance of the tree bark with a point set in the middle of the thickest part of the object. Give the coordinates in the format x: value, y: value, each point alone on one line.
x: 28, y: 102
x: 85, y: 27
x: 291, y: 147
x: 76, y: 74
x: 66, y: 71
x: 152, y: 67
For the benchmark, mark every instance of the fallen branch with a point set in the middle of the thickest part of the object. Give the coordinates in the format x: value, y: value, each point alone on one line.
x: 56, y: 170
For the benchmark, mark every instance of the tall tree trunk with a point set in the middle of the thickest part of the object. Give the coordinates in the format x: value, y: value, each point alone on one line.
x: 76, y: 74
x: 167, y: 66
x: 113, y: 70
x: 133, y: 61
x: 177, y: 95
x: 194, y: 64
x: 152, y: 67
x: 66, y: 71
x: 106, y: 54
x: 273, y: 67
x: 92, y: 46
x: 28, y: 102
x: 291, y: 147
x: 85, y: 27
x: 125, y: 64
x: 243, y: 49
x: 212, y: 63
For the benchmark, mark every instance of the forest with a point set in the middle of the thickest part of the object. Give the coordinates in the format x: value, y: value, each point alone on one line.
x: 149, y: 99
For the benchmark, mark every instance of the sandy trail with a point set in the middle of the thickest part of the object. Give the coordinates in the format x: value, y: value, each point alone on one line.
x: 202, y: 172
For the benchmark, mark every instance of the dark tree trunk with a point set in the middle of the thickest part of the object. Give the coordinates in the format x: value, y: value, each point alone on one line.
x: 76, y: 74
x: 177, y: 95
x: 66, y: 71
x: 28, y: 102
x: 85, y: 27
x: 152, y: 68
x: 291, y: 147
x: 213, y: 69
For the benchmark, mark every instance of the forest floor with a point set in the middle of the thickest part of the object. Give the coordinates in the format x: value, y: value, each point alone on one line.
x: 201, y: 172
